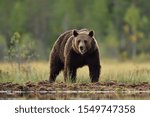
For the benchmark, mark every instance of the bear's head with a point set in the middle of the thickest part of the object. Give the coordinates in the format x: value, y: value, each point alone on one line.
x: 83, y: 41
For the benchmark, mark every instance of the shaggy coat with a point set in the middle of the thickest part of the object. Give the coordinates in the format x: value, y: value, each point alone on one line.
x: 74, y: 49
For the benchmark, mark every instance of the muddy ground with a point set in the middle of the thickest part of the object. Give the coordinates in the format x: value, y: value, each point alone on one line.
x: 99, y: 90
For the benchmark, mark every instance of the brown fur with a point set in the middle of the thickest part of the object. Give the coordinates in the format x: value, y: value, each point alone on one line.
x: 68, y: 55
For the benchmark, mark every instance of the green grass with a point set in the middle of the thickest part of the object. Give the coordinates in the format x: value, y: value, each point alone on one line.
x: 126, y: 72
x: 34, y: 72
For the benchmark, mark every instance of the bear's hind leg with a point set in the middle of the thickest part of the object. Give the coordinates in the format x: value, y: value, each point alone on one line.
x: 55, y: 67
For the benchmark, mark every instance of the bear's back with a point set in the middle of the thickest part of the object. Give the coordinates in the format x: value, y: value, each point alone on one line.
x: 62, y: 39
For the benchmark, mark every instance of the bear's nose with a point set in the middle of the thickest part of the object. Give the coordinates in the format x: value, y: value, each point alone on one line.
x: 81, y: 47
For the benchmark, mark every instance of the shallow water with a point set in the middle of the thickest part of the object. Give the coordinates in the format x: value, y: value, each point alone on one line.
x: 44, y: 90
x: 75, y: 95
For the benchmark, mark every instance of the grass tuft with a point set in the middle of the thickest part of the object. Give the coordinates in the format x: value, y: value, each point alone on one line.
x: 127, y: 72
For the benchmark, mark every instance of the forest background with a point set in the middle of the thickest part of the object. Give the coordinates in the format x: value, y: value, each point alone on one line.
x: 29, y: 28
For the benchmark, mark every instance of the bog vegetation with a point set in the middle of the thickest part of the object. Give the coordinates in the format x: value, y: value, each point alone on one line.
x: 127, y: 72
x: 29, y: 28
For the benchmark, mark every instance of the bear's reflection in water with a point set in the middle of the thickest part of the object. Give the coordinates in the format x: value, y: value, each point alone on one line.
x: 76, y: 96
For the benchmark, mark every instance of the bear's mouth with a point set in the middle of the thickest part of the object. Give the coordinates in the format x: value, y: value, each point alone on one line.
x: 82, y: 51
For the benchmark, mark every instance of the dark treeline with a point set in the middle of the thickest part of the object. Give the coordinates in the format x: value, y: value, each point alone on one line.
x: 121, y: 26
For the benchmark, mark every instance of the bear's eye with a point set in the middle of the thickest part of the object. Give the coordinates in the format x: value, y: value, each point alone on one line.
x: 78, y: 41
x: 85, y: 41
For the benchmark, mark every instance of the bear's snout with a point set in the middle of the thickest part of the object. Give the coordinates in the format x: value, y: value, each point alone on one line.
x: 82, y: 48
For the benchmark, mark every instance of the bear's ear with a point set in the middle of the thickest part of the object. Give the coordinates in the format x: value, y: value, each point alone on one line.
x: 91, y: 33
x: 75, y: 33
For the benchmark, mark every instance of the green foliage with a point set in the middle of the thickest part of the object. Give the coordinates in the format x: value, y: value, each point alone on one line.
x: 111, y: 43
x: 45, y: 20
x: 14, y: 50
x: 100, y: 14
x: 132, y: 17
x: 135, y: 23
x: 111, y: 38
x: 3, y: 47
x: 22, y: 48
x: 18, y: 17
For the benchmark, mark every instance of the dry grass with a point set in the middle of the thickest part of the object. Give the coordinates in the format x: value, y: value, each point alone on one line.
x: 128, y: 72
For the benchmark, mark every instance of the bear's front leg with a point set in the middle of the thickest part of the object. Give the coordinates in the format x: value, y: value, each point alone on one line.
x: 70, y: 75
x: 94, y: 72
x: 94, y: 67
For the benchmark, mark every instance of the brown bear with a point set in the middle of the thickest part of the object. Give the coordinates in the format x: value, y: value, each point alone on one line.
x: 74, y: 49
